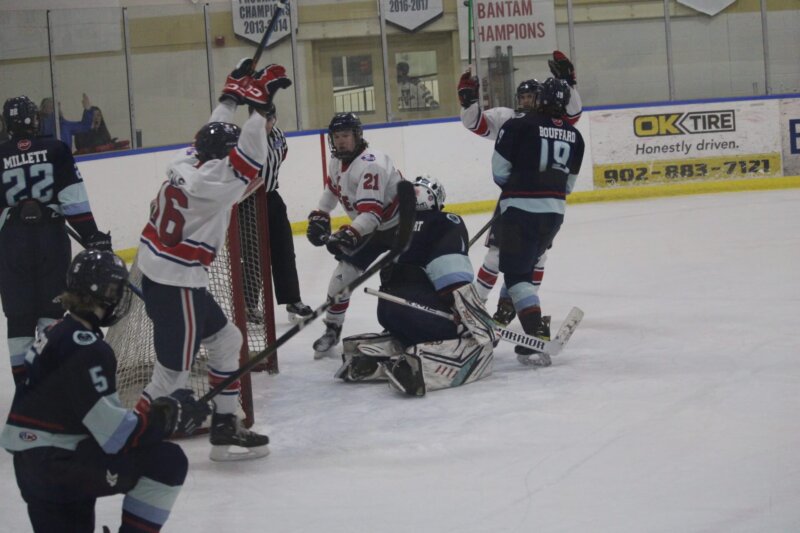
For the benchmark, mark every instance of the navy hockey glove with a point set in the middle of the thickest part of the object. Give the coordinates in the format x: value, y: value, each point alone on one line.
x: 266, y: 83
x: 562, y: 68
x: 319, y: 227
x: 179, y: 412
x: 237, y: 83
x: 467, y: 89
x: 346, y: 237
x: 99, y: 241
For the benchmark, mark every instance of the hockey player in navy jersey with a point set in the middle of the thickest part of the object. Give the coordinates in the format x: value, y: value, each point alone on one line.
x: 188, y: 225
x: 71, y: 438
x: 487, y: 124
x: 40, y: 189
x: 419, y: 352
x: 364, y: 182
x: 536, y: 161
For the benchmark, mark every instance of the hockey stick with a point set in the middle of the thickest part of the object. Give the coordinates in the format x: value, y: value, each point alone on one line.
x: 408, y: 202
x: 484, y: 229
x: 77, y: 238
x: 281, y: 6
x: 551, y: 347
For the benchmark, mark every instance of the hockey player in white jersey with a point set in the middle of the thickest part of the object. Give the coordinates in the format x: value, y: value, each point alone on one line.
x: 487, y: 123
x: 364, y: 182
x: 188, y: 224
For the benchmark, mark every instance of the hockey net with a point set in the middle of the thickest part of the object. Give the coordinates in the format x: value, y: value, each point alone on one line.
x: 241, y: 282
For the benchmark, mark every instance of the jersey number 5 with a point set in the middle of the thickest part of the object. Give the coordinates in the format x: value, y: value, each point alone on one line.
x: 170, y: 227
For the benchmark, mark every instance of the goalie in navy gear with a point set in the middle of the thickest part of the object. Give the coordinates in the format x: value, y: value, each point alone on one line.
x: 71, y: 438
x: 41, y: 188
x: 536, y: 161
x: 419, y: 352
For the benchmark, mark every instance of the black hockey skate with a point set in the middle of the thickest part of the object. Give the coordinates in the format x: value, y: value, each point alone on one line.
x: 254, y: 316
x: 326, y: 345
x: 227, y: 431
x: 505, y: 312
x: 298, y: 311
x: 524, y: 354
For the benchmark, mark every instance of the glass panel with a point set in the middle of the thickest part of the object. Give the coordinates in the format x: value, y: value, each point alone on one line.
x: 784, y: 44
x: 24, y: 62
x: 91, y: 79
x: 719, y: 56
x: 228, y: 48
x: 169, y: 72
x: 621, y: 53
x: 353, y: 87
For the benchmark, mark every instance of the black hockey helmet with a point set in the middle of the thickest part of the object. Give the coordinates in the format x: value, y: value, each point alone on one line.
x: 21, y: 116
x: 215, y: 140
x: 102, y: 276
x: 342, y: 122
x: 531, y: 86
x: 553, y: 97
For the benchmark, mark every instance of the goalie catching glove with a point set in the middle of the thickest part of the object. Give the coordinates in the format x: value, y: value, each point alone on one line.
x: 467, y: 89
x: 265, y: 84
x: 179, y: 412
x: 562, y: 68
x: 346, y: 237
x: 319, y: 227
x: 237, y: 83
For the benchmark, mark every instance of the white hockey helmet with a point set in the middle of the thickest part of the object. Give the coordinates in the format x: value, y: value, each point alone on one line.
x: 430, y: 193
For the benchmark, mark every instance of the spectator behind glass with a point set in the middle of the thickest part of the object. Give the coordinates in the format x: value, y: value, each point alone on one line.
x: 413, y: 93
x: 97, y: 136
x: 47, y: 121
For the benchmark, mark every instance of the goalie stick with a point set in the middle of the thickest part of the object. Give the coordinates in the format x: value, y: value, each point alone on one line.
x: 551, y: 347
x: 408, y: 202
x: 484, y: 229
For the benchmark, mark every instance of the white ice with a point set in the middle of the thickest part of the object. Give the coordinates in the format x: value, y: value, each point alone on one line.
x: 675, y: 407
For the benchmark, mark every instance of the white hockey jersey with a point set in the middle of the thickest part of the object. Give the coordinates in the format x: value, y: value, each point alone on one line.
x: 488, y: 123
x: 366, y: 190
x: 189, y: 218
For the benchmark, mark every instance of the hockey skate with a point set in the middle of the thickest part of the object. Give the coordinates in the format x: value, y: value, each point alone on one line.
x: 505, y: 312
x: 524, y: 355
x: 326, y: 345
x: 298, y: 312
x: 227, y: 431
x: 254, y: 316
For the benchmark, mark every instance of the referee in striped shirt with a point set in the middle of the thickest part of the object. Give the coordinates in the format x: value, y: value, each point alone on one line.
x: 281, y: 242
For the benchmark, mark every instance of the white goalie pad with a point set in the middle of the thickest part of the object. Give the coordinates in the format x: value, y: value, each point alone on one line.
x: 363, y: 354
x: 473, y: 315
x: 440, y: 365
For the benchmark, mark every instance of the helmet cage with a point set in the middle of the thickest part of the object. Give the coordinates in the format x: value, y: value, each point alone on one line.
x: 430, y: 193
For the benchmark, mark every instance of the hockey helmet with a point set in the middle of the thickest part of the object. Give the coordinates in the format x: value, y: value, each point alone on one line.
x: 215, y: 140
x: 21, y: 115
x: 430, y: 193
x: 553, y: 97
x: 527, y: 87
x: 102, y: 276
x: 343, y: 122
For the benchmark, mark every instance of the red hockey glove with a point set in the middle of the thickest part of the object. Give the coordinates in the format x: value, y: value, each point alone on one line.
x: 266, y: 83
x: 319, y: 227
x: 237, y: 82
x: 562, y: 68
x: 346, y: 237
x: 467, y: 89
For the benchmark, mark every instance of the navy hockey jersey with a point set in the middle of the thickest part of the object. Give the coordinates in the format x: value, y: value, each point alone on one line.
x: 70, y: 394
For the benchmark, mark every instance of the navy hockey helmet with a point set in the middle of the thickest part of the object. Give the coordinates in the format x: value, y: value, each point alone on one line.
x: 21, y: 115
x: 553, y: 97
x: 527, y: 87
x: 343, y: 122
x: 215, y: 140
x: 102, y: 276
x: 430, y: 193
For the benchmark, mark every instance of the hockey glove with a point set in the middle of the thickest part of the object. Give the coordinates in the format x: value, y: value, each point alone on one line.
x: 346, y: 237
x: 562, y: 68
x: 467, y: 89
x: 237, y: 83
x: 266, y: 83
x: 179, y: 412
x: 319, y: 227
x: 99, y: 241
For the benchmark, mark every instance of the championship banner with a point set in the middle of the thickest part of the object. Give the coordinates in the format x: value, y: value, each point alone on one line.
x: 686, y: 142
x: 411, y: 15
x: 529, y: 26
x: 251, y: 19
x: 790, y: 128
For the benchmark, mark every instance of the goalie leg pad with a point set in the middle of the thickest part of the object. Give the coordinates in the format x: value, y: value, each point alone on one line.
x: 473, y: 315
x: 363, y: 354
